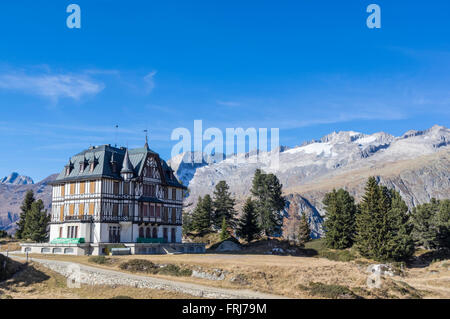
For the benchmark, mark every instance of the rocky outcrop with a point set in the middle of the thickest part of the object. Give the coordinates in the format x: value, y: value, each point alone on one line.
x: 416, y: 164
x: 11, y: 197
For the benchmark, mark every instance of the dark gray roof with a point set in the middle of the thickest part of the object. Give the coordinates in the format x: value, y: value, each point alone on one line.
x: 104, y: 155
x: 126, y: 165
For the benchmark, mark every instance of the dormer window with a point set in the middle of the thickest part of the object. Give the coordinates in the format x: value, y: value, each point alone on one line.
x: 92, y: 163
x: 69, y: 168
x: 83, y: 165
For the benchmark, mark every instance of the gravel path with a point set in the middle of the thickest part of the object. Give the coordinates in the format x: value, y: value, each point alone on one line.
x: 99, y: 276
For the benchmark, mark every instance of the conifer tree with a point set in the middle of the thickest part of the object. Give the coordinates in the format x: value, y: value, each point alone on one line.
x: 383, y: 231
x: 248, y: 227
x: 443, y: 222
x: 339, y: 225
x: 425, y: 230
x: 431, y: 224
x: 269, y: 201
x: 37, y: 223
x: 201, y: 217
x: 223, y: 205
x: 187, y: 223
x: 24, y: 209
x: 224, y: 234
x: 304, y: 231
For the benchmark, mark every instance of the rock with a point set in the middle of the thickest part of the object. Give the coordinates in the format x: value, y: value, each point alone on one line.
x: 239, y: 279
x: 206, y: 275
x: 381, y: 269
x: 228, y: 246
x: 277, y: 251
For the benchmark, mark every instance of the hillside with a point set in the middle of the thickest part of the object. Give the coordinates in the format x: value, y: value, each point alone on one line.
x: 11, y: 197
x: 415, y: 163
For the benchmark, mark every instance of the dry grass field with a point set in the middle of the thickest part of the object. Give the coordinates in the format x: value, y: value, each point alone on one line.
x: 38, y: 282
x: 295, y: 277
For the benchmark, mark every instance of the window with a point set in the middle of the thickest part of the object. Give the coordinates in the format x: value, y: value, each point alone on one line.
x: 63, y: 190
x: 166, y: 214
x: 71, y: 209
x: 146, y: 209
x: 115, y: 211
x: 61, y: 213
x: 92, y: 187
x: 126, y: 188
x: 141, y: 232
x: 72, y: 188
x: 82, y: 187
x: 60, y: 232
x: 174, y: 215
x: 91, y: 208
x: 166, y: 193
x: 155, y: 233
x: 81, y: 209
x: 116, y: 188
x: 158, y: 211
x: 147, y: 232
x: 125, y: 210
x: 174, y: 193
x: 152, y: 210
x: 72, y: 232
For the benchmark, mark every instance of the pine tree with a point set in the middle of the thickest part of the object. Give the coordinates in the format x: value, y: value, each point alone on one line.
x: 248, y: 227
x: 269, y: 201
x: 425, y: 229
x: 339, y: 225
x: 25, y: 208
x: 443, y: 223
x: 224, y: 234
x: 187, y: 223
x: 304, y: 231
x: 37, y: 223
x: 223, y: 205
x: 201, y: 217
x: 383, y: 231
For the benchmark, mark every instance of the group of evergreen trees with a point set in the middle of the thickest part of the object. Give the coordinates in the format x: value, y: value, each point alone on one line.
x: 33, y: 222
x: 380, y: 226
x: 431, y: 224
x: 260, y: 215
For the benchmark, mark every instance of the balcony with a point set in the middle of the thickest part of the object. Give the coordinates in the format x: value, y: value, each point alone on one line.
x: 106, y: 219
x: 159, y: 220
x: 78, y: 218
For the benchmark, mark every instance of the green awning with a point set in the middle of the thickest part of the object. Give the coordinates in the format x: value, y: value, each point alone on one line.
x: 68, y: 241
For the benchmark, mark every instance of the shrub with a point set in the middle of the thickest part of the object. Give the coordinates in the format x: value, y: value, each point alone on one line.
x: 331, y: 291
x: 337, y: 255
x: 146, y: 266
x: 98, y: 260
x: 139, y: 265
x: 121, y: 297
x: 175, y: 270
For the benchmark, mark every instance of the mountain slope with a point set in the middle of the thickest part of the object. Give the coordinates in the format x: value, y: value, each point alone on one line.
x: 11, y: 197
x: 16, y: 179
x: 416, y: 164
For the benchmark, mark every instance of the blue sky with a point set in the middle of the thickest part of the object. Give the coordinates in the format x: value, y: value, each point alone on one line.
x: 306, y: 67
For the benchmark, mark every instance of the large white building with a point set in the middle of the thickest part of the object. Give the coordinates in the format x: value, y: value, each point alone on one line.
x: 107, y: 195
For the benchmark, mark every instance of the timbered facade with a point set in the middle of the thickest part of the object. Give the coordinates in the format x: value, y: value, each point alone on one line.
x: 117, y: 195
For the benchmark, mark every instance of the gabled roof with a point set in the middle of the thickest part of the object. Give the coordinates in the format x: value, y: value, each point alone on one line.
x: 127, y: 160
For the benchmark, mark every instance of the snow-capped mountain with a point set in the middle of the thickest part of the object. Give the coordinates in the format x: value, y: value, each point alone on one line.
x: 340, y: 159
x: 16, y: 179
x: 12, y: 195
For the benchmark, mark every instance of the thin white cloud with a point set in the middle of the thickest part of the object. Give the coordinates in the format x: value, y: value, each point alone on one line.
x: 150, y: 81
x: 228, y: 103
x: 52, y: 86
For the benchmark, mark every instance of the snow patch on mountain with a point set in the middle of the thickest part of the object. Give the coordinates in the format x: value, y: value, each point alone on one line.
x: 16, y: 179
